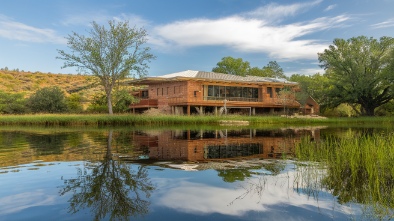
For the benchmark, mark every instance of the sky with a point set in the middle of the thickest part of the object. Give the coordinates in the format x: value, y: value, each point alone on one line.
x: 193, y: 34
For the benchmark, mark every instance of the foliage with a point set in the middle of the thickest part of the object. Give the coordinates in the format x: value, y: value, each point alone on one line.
x: 237, y: 66
x: 98, y: 103
x: 48, y: 100
x: 12, y: 103
x: 233, y: 66
x: 74, y: 103
x: 315, y: 86
x: 274, y: 70
x: 360, y: 70
x: 122, y: 100
x: 109, y: 54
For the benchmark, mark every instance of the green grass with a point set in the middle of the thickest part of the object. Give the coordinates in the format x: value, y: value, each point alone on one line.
x: 359, y: 169
x: 169, y: 120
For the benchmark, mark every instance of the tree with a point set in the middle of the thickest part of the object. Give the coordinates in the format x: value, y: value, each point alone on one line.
x: 233, y: 66
x: 315, y: 86
x: 274, y: 70
x: 110, y: 54
x: 122, y: 101
x: 361, y: 71
x: 48, y: 100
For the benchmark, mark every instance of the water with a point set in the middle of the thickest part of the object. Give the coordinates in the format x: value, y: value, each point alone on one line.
x: 177, y: 174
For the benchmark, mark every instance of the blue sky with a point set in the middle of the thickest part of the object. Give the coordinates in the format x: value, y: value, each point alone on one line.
x: 193, y: 34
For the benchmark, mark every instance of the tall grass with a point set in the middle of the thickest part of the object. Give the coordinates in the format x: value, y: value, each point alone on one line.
x: 359, y: 169
x: 161, y: 120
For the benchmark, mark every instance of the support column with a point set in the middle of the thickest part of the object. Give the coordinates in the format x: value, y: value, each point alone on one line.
x: 216, y: 111
x: 253, y: 111
x: 188, y: 110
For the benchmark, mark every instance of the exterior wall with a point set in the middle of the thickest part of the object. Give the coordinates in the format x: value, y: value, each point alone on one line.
x: 186, y: 97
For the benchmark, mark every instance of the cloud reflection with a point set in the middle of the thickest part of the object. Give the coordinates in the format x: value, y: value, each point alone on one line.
x: 19, y: 202
x: 277, y: 191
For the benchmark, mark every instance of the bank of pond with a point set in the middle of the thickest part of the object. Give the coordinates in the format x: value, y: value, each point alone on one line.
x: 307, y: 172
x: 168, y: 120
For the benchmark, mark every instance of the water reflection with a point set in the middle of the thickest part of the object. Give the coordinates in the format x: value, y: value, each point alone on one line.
x: 251, y: 177
x: 110, y: 188
x: 201, y: 145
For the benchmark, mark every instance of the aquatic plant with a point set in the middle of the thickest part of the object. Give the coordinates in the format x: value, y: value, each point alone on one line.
x: 359, y: 169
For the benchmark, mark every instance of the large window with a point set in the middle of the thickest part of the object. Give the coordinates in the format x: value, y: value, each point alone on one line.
x: 215, y: 92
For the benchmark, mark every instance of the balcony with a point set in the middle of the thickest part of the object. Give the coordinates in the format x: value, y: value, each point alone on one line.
x: 146, y: 103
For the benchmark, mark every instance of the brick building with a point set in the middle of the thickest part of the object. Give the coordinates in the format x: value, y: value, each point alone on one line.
x: 199, y: 92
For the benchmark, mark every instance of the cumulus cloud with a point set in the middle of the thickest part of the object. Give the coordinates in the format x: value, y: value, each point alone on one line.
x: 248, y: 35
x: 18, y: 31
x: 386, y: 24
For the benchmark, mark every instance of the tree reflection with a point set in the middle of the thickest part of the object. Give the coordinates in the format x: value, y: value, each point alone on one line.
x: 110, y: 189
x: 232, y: 175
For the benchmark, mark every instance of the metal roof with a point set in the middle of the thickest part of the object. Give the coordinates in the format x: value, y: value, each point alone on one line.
x: 203, y: 75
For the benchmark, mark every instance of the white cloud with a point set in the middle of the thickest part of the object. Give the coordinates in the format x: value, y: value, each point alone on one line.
x: 248, y: 35
x: 330, y: 7
x: 18, y: 31
x: 275, y: 11
x: 386, y: 24
x: 306, y: 71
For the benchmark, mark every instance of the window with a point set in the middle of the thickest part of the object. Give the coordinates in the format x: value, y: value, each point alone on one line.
x: 277, y: 90
x: 269, y: 91
x: 216, y: 92
x: 195, y: 93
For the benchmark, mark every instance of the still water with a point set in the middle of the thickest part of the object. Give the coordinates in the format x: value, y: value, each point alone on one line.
x: 169, y: 174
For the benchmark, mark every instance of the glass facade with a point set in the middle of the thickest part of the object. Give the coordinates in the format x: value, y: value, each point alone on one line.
x: 216, y: 92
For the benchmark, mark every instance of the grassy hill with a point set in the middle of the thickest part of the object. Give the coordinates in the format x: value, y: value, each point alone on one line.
x: 28, y: 82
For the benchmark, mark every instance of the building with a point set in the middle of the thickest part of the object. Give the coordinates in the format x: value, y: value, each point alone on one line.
x: 199, y: 92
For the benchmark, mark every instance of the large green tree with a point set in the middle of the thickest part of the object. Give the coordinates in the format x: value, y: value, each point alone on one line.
x: 234, y: 66
x: 111, y: 53
x: 361, y: 71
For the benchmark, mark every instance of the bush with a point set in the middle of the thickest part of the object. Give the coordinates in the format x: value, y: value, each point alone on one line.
x: 48, y: 100
x: 12, y: 103
x: 74, y: 103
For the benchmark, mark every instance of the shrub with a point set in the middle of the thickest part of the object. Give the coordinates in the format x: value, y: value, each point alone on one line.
x: 12, y: 103
x: 48, y: 100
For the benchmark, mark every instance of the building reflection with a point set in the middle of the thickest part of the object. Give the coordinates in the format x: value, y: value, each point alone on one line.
x: 201, y: 145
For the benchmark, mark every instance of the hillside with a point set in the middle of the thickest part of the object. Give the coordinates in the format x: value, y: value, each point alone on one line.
x: 28, y: 82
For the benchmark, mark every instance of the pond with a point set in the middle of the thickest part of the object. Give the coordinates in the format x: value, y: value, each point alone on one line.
x: 293, y: 173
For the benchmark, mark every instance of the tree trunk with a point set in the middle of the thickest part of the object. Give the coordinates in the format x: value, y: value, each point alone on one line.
x: 109, y: 145
x: 369, y: 110
x: 109, y: 103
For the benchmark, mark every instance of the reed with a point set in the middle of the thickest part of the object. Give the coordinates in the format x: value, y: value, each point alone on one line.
x: 359, y: 169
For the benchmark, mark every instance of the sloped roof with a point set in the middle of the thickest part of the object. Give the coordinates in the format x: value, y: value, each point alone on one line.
x: 203, y: 75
